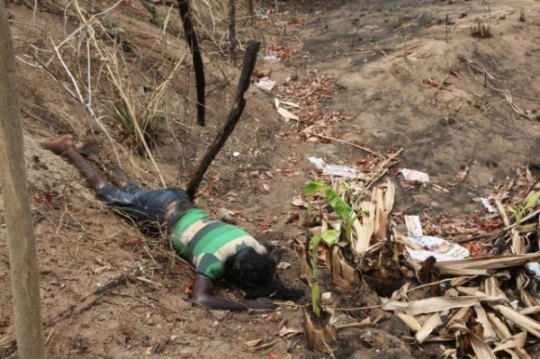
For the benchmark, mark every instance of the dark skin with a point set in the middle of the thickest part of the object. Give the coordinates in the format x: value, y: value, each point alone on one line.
x: 202, y: 287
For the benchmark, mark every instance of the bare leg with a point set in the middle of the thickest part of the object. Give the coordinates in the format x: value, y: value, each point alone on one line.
x: 64, y: 146
x: 120, y: 177
x: 91, y: 150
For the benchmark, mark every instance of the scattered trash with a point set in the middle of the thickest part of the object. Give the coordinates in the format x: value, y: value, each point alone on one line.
x: 422, y: 247
x: 344, y: 171
x: 318, y: 162
x: 272, y: 58
x: 440, y: 249
x: 266, y: 84
x: 236, y: 154
x: 534, y: 269
x: 414, y: 176
x: 464, y: 297
x: 487, y: 204
x: 340, y: 171
x: 414, y: 227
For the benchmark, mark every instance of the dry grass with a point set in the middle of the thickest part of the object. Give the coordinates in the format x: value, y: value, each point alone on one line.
x: 482, y: 30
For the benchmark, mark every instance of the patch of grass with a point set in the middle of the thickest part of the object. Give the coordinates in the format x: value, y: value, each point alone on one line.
x: 128, y: 121
x: 482, y: 30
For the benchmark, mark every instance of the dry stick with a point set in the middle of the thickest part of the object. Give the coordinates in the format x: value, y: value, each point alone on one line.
x: 198, y: 66
x: 232, y: 30
x: 363, y: 148
x: 251, y: 11
x: 504, y: 92
x: 20, y: 232
x: 121, y: 93
x: 79, y: 97
x: 250, y: 58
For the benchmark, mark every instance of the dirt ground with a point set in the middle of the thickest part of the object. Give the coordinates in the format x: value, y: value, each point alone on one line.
x: 381, y: 74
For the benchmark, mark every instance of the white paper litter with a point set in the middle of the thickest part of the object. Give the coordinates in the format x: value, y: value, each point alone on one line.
x: 266, y: 84
x: 436, y: 247
x: 318, y: 162
x: 340, y: 171
x: 414, y: 227
x: 414, y: 176
x: 487, y: 205
x: 270, y: 58
x: 534, y: 269
x: 344, y: 171
x: 429, y: 246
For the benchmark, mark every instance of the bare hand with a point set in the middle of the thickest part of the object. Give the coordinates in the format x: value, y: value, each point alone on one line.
x: 263, y: 303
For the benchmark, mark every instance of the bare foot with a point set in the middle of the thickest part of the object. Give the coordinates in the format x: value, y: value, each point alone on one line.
x: 59, y: 145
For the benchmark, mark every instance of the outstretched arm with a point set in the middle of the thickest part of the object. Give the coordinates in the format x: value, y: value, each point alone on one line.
x: 202, y: 294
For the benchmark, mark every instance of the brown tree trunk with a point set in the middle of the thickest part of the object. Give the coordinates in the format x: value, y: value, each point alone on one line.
x: 198, y: 66
x: 20, y: 233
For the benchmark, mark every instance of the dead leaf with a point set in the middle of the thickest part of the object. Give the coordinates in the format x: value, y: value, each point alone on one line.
x: 343, y: 274
x: 298, y: 202
x: 323, y: 340
x: 480, y: 265
x: 436, y: 304
x: 285, y: 331
x: 254, y: 343
x: 364, y: 229
x: 513, y: 342
x: 522, y: 321
x: 287, y: 115
x: 133, y: 241
x: 433, y: 322
x: 481, y: 317
x: 481, y: 349
x: 409, y: 321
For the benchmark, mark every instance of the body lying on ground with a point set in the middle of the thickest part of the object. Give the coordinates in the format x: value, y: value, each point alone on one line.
x: 216, y: 249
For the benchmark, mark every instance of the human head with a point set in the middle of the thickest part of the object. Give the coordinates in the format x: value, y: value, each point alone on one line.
x: 256, y: 274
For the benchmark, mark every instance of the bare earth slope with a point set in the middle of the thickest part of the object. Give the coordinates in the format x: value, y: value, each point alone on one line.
x: 404, y: 77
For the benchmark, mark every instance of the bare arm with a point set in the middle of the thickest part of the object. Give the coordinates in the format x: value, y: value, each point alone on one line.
x: 202, y: 289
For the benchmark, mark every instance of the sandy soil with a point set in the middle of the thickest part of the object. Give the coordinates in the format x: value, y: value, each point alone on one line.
x: 402, y: 79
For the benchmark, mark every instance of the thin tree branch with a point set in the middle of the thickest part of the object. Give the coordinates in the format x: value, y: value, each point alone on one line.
x: 250, y: 58
x: 198, y: 65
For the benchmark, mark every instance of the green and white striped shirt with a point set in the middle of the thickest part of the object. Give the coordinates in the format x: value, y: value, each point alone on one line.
x: 208, y: 243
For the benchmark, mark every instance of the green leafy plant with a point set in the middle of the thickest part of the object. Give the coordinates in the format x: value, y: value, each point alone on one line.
x: 329, y: 238
x: 529, y: 203
x: 342, y: 208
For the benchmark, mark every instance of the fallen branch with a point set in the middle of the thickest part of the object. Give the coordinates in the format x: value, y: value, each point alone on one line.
x: 198, y: 66
x: 334, y: 139
x: 473, y: 66
x: 250, y: 58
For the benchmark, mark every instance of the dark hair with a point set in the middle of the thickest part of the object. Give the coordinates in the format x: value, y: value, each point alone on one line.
x: 256, y: 275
